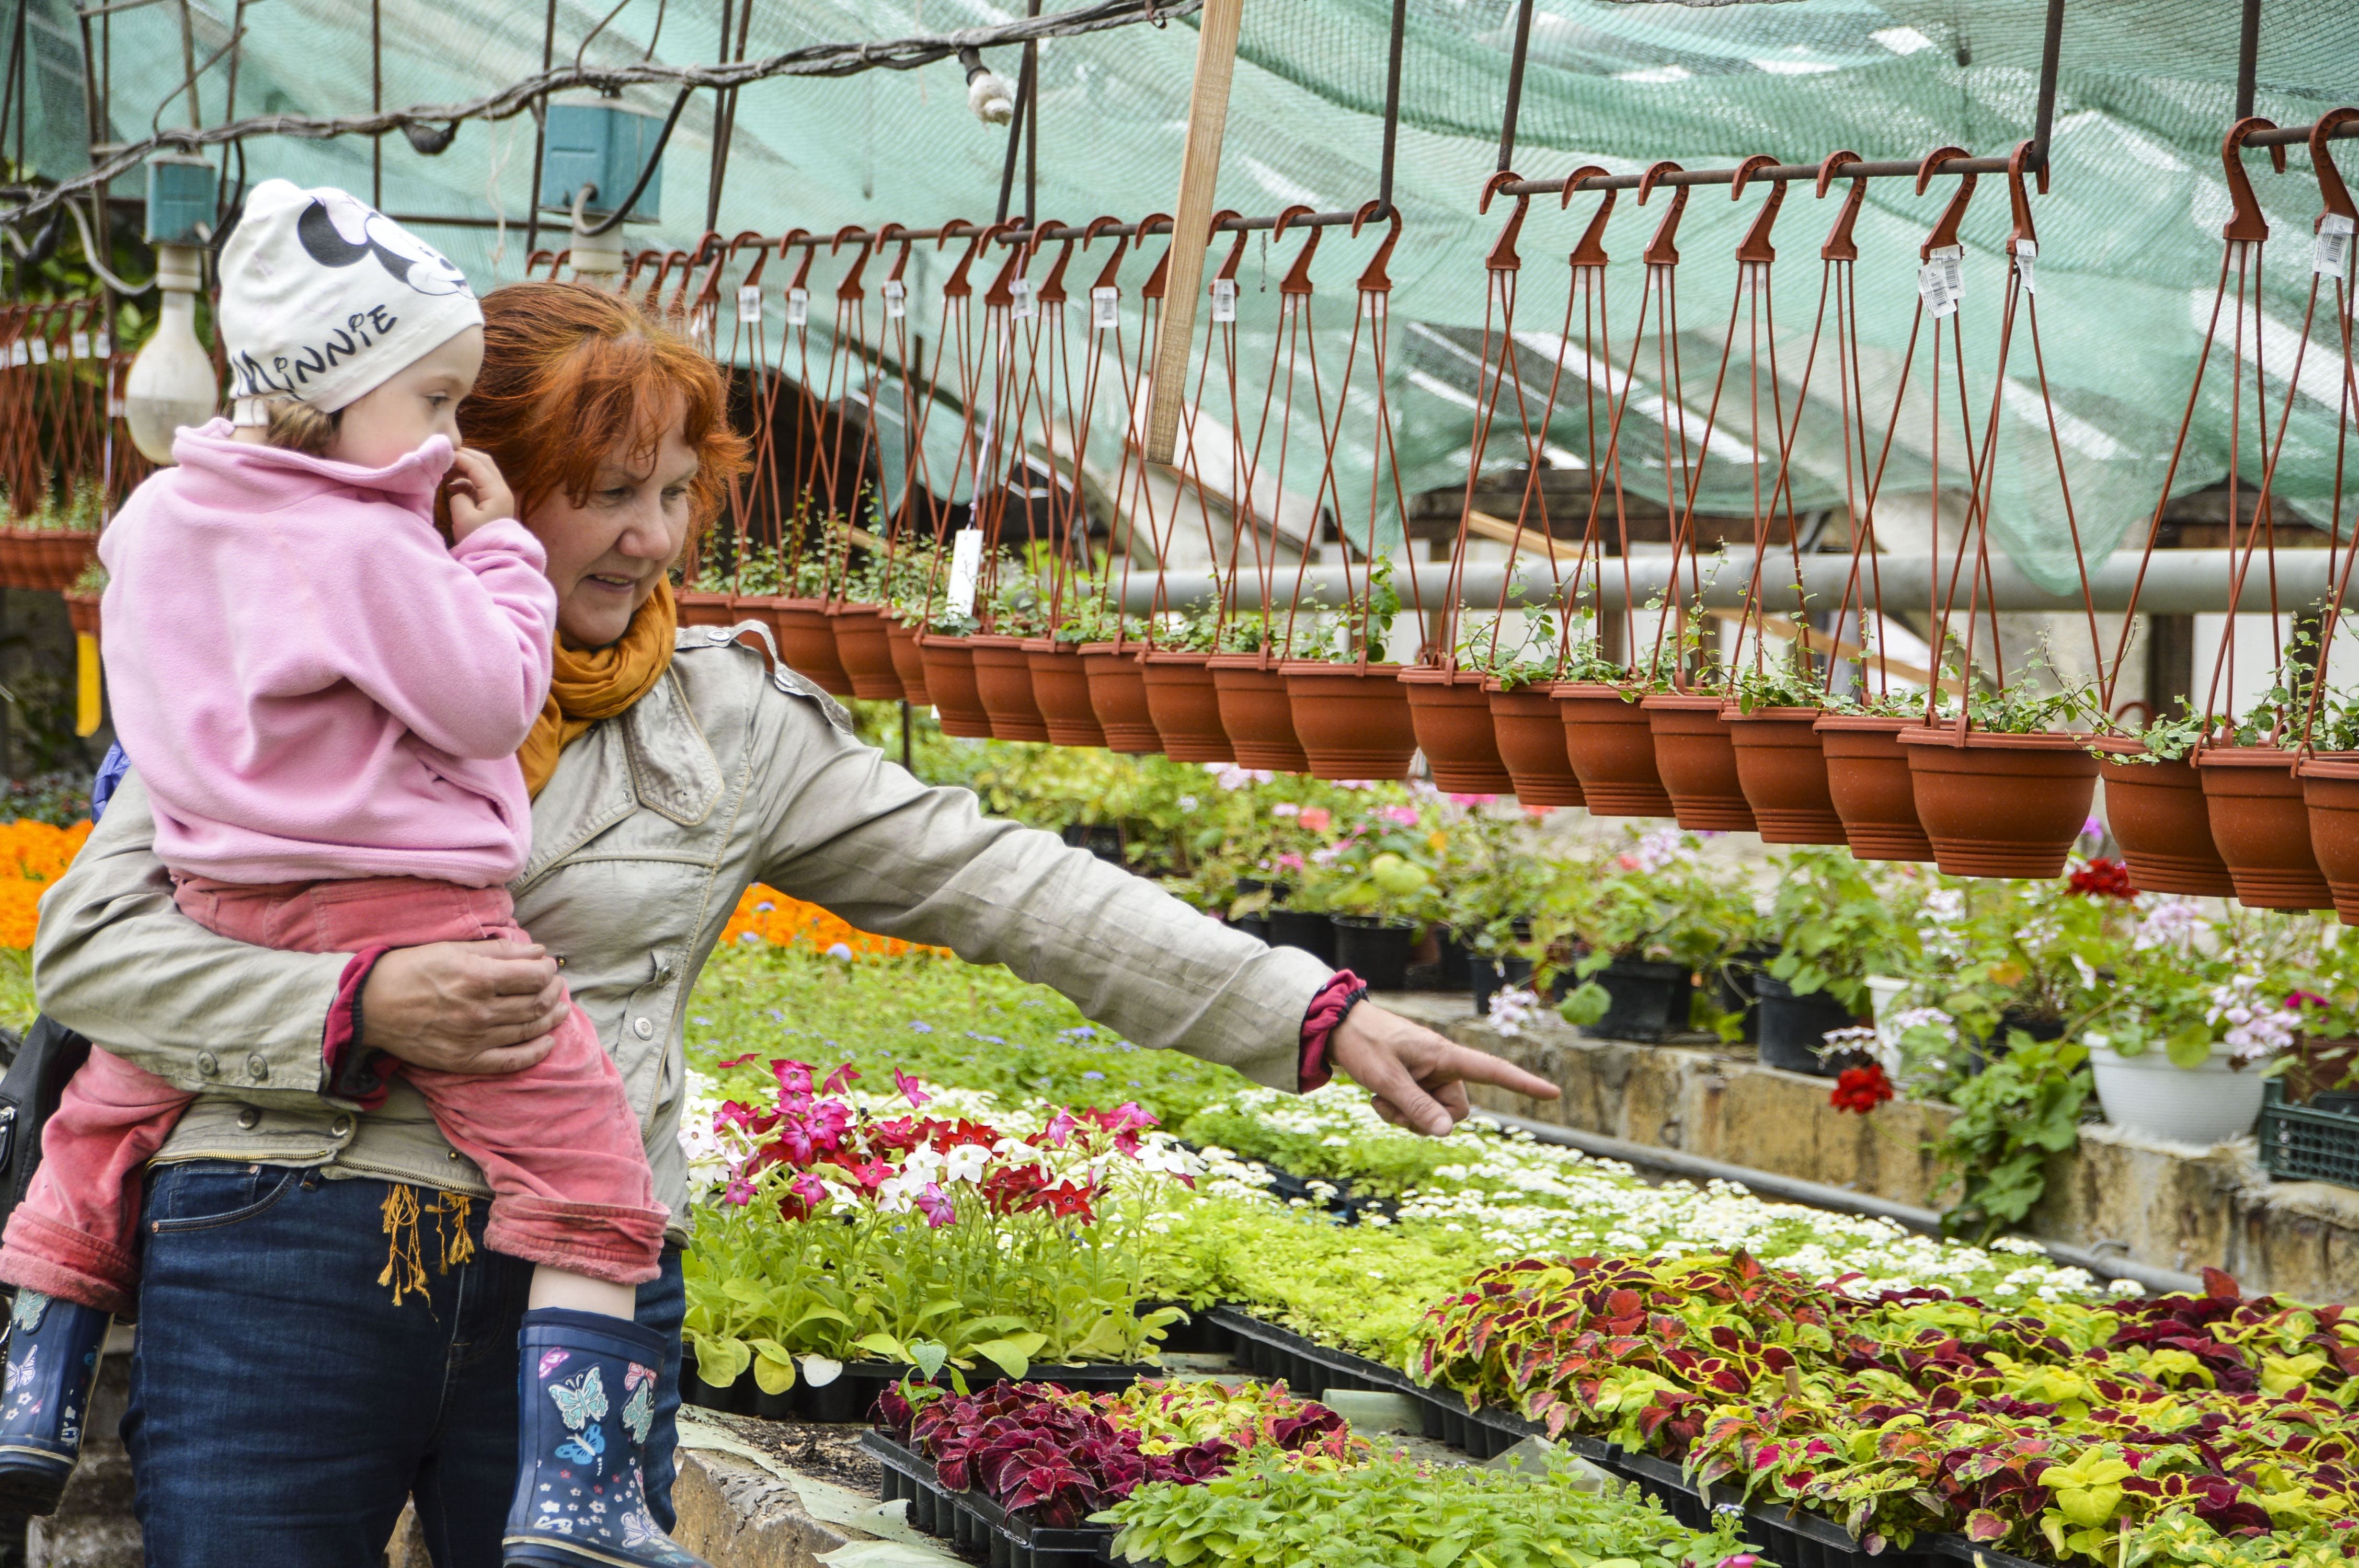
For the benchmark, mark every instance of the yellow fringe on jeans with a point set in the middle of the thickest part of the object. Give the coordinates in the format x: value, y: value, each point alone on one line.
x: 405, y: 1262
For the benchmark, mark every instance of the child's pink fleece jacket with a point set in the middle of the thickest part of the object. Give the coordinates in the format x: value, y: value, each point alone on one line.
x: 311, y: 684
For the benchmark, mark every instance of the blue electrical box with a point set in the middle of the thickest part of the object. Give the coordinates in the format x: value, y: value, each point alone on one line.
x: 602, y: 143
x: 180, y: 200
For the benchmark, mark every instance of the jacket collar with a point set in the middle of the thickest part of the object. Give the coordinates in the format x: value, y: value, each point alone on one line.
x: 654, y: 756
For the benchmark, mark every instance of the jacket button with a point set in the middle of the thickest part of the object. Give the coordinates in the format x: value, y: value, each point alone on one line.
x: 249, y: 1118
x: 207, y: 1065
x: 340, y: 1126
x: 259, y: 1067
x: 644, y: 1028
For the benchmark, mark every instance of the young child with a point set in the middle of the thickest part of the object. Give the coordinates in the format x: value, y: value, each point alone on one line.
x: 325, y: 703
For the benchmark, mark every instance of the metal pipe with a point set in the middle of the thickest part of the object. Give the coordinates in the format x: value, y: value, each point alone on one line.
x: 2179, y: 582
x: 2052, y: 49
x: 2248, y: 58
x: 1677, y: 1163
x: 1076, y: 231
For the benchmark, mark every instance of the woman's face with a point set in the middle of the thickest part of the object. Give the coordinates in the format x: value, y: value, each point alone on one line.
x: 606, y: 555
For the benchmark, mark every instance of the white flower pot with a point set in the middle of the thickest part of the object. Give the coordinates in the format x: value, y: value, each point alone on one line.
x: 2203, y: 1105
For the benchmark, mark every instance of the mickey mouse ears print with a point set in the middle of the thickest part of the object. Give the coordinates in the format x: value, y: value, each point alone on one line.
x: 323, y: 297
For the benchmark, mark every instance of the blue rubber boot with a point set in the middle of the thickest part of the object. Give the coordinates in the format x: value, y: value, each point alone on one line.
x: 53, y: 1349
x: 587, y: 1391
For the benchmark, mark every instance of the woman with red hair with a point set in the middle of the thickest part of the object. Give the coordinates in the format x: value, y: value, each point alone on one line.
x: 323, y: 1334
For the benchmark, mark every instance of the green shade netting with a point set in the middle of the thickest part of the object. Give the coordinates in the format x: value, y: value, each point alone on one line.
x: 2129, y: 235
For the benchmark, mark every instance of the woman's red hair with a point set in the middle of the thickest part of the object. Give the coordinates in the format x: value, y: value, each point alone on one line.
x: 574, y: 377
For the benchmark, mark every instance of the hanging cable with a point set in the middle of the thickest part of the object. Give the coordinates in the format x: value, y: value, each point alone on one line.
x: 646, y: 173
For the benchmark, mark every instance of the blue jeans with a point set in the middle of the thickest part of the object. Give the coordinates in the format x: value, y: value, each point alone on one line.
x: 282, y: 1406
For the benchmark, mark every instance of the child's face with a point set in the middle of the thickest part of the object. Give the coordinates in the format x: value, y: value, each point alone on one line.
x: 386, y: 424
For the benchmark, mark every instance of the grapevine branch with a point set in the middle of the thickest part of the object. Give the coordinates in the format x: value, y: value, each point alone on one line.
x: 813, y: 60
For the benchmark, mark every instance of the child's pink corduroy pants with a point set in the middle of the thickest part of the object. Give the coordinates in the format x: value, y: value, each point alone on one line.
x: 556, y: 1143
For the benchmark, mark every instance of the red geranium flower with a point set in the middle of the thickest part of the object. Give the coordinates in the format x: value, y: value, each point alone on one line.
x: 1860, y: 1089
x: 2103, y: 879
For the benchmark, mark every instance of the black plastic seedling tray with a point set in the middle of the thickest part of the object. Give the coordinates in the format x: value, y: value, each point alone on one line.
x: 970, y: 1520
x: 853, y: 1395
x: 1309, y: 1368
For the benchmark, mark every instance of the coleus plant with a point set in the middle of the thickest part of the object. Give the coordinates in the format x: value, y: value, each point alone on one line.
x: 1062, y: 1455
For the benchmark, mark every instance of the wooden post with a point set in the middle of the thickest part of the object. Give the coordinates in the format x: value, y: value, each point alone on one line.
x: 1192, y: 228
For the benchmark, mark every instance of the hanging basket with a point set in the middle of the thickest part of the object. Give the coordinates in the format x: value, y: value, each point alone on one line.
x: 1612, y: 749
x: 1452, y: 719
x: 1003, y: 681
x: 950, y: 681
x: 2158, y: 813
x: 1186, y: 707
x: 865, y: 650
x: 1531, y: 744
x: 2262, y: 826
x: 700, y: 607
x: 1697, y: 761
x: 1353, y: 719
x: 1062, y: 688
x: 806, y: 638
x: 47, y: 560
x: 1782, y: 766
x: 1873, y: 790
x: 908, y: 662
x: 1118, y: 696
x: 1256, y: 713
x: 2000, y: 805
x: 82, y: 610
x: 2330, y: 789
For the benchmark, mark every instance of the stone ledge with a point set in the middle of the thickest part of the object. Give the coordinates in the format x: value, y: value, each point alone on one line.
x: 2168, y: 1205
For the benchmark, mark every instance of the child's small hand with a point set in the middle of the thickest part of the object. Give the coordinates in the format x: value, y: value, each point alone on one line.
x: 478, y: 493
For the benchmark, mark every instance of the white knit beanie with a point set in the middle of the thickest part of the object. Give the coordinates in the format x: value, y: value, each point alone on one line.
x: 323, y: 298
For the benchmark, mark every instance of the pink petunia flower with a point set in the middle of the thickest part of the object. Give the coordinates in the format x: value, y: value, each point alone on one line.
x: 740, y: 1191
x: 810, y: 1189
x: 911, y: 1088
x: 935, y: 1206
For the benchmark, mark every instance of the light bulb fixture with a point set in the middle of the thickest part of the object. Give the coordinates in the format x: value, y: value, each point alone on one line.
x: 989, y: 93
x: 171, y: 384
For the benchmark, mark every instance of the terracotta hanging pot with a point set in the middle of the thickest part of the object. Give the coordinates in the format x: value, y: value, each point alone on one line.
x: 1612, y: 749
x: 1257, y: 712
x: 19, y: 567
x: 1002, y: 680
x: 1873, y: 790
x: 1118, y: 696
x: 2330, y: 789
x: 950, y: 681
x: 700, y: 607
x: 2000, y: 805
x: 1353, y: 719
x: 2261, y: 825
x: 1061, y: 688
x: 81, y: 612
x: 908, y: 662
x: 1186, y: 707
x: 806, y: 638
x: 47, y: 560
x: 2159, y: 816
x: 1782, y: 767
x: 864, y: 649
x: 1452, y: 721
x: 1697, y: 761
x: 1531, y: 734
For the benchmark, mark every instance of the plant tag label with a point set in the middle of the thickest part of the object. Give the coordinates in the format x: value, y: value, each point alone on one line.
x: 2332, y: 252
x: 1020, y: 306
x: 749, y: 304
x: 18, y: 354
x: 966, y: 569
x: 102, y: 347
x: 1225, y: 299
x: 1752, y: 277
x: 1106, y: 308
x: 82, y: 345
x: 797, y: 306
x: 1941, y: 279
x: 2027, y: 252
x: 896, y: 299
x: 39, y: 349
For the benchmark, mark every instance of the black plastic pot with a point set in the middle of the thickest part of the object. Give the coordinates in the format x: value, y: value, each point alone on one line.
x: 1253, y: 926
x: 1792, y: 1027
x: 1487, y: 977
x: 1103, y: 839
x: 1311, y: 932
x: 1455, y: 961
x: 1982, y: 1053
x: 1734, y: 987
x: 1643, y: 1001
x: 1375, y: 948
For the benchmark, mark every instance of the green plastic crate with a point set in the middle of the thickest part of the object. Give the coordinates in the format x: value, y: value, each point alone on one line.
x: 2307, y: 1143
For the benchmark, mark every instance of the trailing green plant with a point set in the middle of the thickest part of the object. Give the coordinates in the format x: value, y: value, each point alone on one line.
x: 2024, y: 1106
x: 1654, y: 901
x: 1835, y: 921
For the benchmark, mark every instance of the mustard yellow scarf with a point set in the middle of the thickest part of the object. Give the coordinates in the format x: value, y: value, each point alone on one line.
x: 598, y: 683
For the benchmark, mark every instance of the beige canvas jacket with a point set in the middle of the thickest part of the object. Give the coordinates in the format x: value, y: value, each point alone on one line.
x: 723, y: 776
